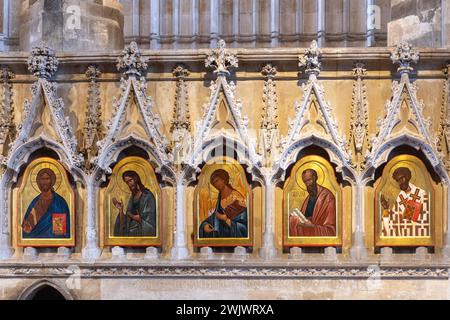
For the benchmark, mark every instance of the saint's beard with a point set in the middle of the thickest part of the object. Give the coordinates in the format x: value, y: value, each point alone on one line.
x: 312, y: 190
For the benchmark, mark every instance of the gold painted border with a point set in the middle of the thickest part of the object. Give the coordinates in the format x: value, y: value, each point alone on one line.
x: 106, y: 221
x: 404, y: 241
x: 313, y: 241
x: 225, y: 242
x: 46, y: 242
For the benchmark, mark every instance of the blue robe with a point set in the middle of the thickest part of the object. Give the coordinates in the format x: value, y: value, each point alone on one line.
x: 238, y: 228
x: 44, y: 228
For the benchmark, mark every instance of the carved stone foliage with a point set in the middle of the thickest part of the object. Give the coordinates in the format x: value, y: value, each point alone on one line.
x: 208, y: 134
x: 221, y: 60
x: 404, y: 55
x: 93, y: 125
x: 42, y: 62
x: 132, y: 90
x: 131, y: 61
x: 404, y: 122
x: 269, y: 137
x: 310, y: 61
x: 359, y: 121
x: 59, y: 134
x: 181, y: 122
x: 444, y: 126
x: 251, y: 272
x: 7, y: 125
x: 314, y: 121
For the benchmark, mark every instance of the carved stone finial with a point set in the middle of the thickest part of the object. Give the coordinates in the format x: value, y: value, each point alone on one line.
x: 180, y: 71
x: 43, y: 62
x: 131, y: 61
x: 404, y: 55
x: 269, y: 71
x: 6, y: 74
x: 359, y: 70
x: 310, y: 60
x: 181, y: 116
x: 221, y: 60
x: 93, y: 73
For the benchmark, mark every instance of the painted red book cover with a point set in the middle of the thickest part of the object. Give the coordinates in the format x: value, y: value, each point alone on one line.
x: 413, y: 209
x: 59, y: 224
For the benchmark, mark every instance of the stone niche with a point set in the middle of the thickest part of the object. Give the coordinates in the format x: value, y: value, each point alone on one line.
x: 72, y: 25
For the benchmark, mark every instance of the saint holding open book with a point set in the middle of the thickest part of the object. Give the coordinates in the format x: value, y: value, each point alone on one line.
x: 317, y: 216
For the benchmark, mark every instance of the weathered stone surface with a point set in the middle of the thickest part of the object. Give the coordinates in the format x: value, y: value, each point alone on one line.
x: 72, y: 25
x: 416, y: 21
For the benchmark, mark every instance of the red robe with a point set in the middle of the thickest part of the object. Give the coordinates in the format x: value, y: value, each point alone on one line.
x: 323, y: 218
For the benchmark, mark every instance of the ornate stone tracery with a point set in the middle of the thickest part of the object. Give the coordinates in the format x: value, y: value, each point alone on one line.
x: 43, y: 64
x: 404, y: 122
x: 314, y: 111
x: 359, y: 122
x: 207, y: 137
x: 7, y: 125
x: 269, y: 137
x: 132, y: 64
x: 93, y: 125
x: 444, y: 125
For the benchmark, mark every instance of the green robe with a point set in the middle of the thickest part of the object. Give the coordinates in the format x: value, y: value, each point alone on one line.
x: 145, y: 206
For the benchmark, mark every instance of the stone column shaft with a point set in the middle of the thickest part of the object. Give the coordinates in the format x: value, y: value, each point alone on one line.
x: 180, y: 250
x: 5, y: 235
x: 268, y: 250
x: 91, y: 249
x: 358, y: 250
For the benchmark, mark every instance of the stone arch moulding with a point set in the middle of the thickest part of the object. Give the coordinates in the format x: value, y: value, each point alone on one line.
x: 404, y: 123
x: 111, y: 154
x: 314, y: 122
x: 30, y: 292
x: 221, y: 91
x: 118, y: 137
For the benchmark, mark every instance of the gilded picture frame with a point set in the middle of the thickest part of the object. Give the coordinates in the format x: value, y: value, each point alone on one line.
x: 325, y: 228
x: 143, y: 204
x: 50, y: 221
x: 237, y: 205
x: 391, y: 226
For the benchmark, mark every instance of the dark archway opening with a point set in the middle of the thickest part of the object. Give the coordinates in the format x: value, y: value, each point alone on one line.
x: 47, y: 293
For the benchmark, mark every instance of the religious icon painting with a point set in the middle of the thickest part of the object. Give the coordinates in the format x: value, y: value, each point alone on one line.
x: 223, y: 205
x: 312, y: 205
x: 132, y: 205
x: 404, y: 208
x: 46, y: 206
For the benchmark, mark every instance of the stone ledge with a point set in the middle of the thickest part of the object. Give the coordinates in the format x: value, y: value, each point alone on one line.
x: 248, y: 272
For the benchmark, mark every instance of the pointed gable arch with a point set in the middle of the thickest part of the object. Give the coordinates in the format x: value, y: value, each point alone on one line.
x: 56, y: 131
x: 223, y: 95
x: 146, y: 132
x: 314, y: 123
x: 404, y: 123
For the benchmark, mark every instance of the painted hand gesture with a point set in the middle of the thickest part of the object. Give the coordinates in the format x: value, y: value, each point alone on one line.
x: 118, y: 204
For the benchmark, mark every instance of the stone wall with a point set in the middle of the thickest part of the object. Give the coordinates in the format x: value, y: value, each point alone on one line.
x: 307, y: 275
x: 418, y: 21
